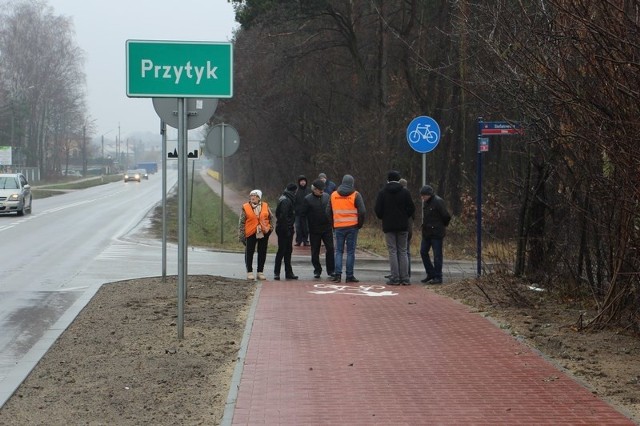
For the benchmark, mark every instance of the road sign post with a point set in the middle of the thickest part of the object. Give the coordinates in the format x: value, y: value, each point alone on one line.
x: 485, y: 129
x: 181, y: 70
x: 423, y: 135
x: 222, y: 141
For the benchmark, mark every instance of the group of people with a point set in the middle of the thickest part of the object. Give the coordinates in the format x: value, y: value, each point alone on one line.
x: 324, y: 212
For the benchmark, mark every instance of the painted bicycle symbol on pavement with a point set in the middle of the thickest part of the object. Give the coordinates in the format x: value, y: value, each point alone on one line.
x: 361, y: 290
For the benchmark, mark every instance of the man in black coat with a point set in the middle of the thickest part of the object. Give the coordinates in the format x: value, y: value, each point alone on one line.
x: 286, y: 218
x: 314, y: 211
x: 435, y: 219
x: 302, y: 228
x: 395, y: 207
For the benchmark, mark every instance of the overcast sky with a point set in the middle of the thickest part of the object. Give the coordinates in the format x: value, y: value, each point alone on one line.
x: 102, y: 28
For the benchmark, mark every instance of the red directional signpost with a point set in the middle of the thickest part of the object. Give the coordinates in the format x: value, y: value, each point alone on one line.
x: 500, y: 128
x: 486, y: 129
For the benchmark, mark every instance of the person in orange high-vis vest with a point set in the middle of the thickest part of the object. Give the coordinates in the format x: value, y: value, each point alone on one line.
x: 254, y: 228
x: 347, y: 211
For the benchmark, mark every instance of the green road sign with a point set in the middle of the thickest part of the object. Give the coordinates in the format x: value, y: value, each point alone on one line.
x: 171, y: 69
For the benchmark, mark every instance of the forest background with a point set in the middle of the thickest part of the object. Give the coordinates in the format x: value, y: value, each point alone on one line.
x: 331, y: 85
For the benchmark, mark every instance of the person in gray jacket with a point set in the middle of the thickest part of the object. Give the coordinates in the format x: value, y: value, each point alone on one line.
x: 394, y: 206
x: 435, y: 219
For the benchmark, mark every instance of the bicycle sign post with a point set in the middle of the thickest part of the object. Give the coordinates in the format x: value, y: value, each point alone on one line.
x: 423, y: 135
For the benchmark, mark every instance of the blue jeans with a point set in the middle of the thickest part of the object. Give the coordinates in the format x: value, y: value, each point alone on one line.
x: 433, y: 270
x: 350, y: 237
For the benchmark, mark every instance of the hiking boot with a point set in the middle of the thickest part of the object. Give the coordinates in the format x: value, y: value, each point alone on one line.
x: 250, y: 276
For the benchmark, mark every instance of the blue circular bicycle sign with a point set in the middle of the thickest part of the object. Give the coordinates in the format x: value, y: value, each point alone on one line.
x: 423, y: 134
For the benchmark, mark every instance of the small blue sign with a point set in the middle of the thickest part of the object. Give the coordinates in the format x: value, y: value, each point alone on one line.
x: 483, y: 145
x: 423, y: 134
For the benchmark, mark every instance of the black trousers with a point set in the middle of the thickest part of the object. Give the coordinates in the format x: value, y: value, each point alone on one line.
x: 262, y: 244
x: 316, y: 241
x: 285, y: 243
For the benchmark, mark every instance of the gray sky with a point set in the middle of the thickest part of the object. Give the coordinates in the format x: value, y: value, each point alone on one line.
x: 102, y: 29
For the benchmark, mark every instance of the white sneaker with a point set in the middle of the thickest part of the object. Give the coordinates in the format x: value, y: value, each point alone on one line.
x: 261, y: 276
x: 250, y: 276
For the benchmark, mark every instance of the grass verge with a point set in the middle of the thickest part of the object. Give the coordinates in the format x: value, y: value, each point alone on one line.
x: 45, y: 189
x: 205, y: 228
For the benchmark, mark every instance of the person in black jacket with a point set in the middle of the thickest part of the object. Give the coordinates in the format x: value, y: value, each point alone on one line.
x: 302, y: 228
x: 395, y: 207
x: 435, y: 219
x: 285, y: 221
x: 314, y: 211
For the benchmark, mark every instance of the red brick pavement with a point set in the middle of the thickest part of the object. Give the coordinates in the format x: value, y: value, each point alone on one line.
x: 415, y: 358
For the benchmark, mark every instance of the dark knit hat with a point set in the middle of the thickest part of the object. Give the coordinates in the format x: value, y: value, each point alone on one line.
x: 318, y: 184
x: 393, y: 176
x: 292, y: 187
x: 347, y: 180
x: 426, y: 190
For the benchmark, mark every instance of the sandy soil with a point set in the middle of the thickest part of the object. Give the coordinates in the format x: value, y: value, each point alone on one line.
x: 120, y: 362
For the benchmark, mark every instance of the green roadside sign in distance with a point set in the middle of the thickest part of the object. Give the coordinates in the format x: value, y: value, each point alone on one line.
x: 178, y: 69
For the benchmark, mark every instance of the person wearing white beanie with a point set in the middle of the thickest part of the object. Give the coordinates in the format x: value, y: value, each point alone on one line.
x: 254, y: 228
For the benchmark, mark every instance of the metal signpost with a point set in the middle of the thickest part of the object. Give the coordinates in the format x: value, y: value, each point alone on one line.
x: 222, y: 141
x: 485, y: 129
x: 423, y: 135
x: 181, y: 70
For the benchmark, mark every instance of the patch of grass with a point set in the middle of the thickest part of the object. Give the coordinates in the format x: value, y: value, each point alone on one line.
x: 371, y: 239
x: 204, y: 226
x: 44, y: 189
x: 83, y: 183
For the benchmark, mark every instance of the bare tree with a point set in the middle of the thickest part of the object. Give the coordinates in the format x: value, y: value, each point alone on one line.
x: 41, y: 68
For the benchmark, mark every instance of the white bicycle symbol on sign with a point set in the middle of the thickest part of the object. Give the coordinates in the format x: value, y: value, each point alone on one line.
x: 423, y: 132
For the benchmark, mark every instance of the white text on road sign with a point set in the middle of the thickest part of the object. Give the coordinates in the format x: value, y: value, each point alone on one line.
x: 175, y: 72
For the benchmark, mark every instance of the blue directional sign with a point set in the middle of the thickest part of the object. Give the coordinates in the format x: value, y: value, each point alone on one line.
x: 423, y: 134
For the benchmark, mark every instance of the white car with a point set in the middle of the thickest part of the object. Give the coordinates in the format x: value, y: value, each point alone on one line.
x: 15, y: 194
x: 132, y: 175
